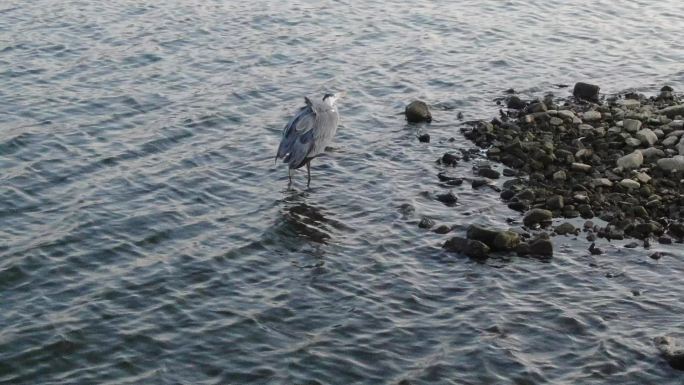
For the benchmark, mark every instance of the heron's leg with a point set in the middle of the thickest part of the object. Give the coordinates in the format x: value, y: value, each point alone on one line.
x: 308, y: 173
x: 289, y: 177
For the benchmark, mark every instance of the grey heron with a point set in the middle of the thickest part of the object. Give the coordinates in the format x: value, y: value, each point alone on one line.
x: 307, y: 134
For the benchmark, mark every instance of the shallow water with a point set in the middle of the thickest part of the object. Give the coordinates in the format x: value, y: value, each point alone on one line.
x: 147, y: 237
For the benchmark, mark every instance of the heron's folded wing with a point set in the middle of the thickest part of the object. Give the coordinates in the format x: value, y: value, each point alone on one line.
x: 300, y: 149
x: 302, y: 121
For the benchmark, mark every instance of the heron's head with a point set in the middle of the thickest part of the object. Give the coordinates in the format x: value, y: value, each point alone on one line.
x: 331, y: 99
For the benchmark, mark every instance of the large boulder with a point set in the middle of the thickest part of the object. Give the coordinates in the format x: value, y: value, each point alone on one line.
x: 586, y: 91
x: 417, y: 112
x: 497, y: 240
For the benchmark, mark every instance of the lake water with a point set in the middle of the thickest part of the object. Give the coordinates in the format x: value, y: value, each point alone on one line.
x: 146, y: 236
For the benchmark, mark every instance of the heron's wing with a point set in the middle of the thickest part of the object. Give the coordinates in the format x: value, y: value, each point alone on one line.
x: 303, y: 121
x: 313, y: 142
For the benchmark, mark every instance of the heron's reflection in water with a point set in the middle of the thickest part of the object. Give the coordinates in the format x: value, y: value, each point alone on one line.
x: 305, y: 220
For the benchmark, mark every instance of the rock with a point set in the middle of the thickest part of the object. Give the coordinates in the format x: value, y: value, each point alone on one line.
x: 630, y: 184
x: 450, y: 180
x: 449, y: 159
x: 417, y: 111
x: 556, y: 121
x: 665, y: 240
x: 476, y: 249
x: 536, y: 107
x: 425, y: 138
x: 586, y: 91
x: 591, y: 116
x: 449, y: 198
x: 426, y: 223
x: 481, y: 234
x: 633, y: 142
x: 673, y: 111
x: 442, y: 229
x: 595, y: 250
x: 537, y: 216
x: 631, y: 125
x: 581, y: 167
x: 657, y: 255
x: 676, y: 163
x: 488, y: 173
x: 642, y: 177
x: 479, y: 182
x: 630, y: 161
x: 506, y: 241
x: 602, y: 182
x: 676, y: 230
x: 652, y: 152
x: 566, y: 115
x: 542, y: 247
x: 564, y: 229
x: 669, y: 350
x: 515, y: 103
x: 680, y: 146
x: 670, y: 141
x: 647, y: 137
x: 559, y: 176
x: 555, y: 202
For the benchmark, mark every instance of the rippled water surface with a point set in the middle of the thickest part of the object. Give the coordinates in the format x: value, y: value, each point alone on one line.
x: 146, y: 236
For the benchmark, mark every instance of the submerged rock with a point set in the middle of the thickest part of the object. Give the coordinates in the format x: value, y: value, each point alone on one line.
x: 424, y: 138
x: 417, y: 112
x: 448, y: 198
x: 426, y: 223
x: 669, y: 350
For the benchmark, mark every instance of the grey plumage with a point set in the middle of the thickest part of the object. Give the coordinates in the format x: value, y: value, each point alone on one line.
x: 309, y: 131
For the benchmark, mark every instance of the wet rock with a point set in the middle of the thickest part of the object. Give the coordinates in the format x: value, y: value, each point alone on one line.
x: 631, y: 125
x: 630, y: 161
x: 488, y: 173
x: 479, y: 182
x: 565, y: 228
x: 537, y: 107
x: 448, y: 198
x: 665, y: 240
x: 515, y: 103
x: 426, y: 223
x: 424, y: 138
x: 586, y: 91
x: 647, y: 137
x: 673, y: 111
x: 417, y: 112
x: 676, y: 163
x: 450, y: 180
x: 631, y: 245
x: 677, y: 230
x: 449, y: 159
x: 595, y: 250
x: 657, y: 255
x: 670, y: 351
x: 519, y: 206
x: 555, y: 202
x: 506, y: 241
x: 442, y: 229
x: 542, y: 247
x: 537, y: 216
x: 469, y: 247
x: 629, y: 184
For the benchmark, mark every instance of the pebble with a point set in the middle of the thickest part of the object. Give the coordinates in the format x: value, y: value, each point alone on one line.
x: 642, y: 177
x: 582, y: 167
x: 630, y: 184
x: 556, y: 121
x: 670, y: 141
x: 633, y: 142
x: 559, y: 175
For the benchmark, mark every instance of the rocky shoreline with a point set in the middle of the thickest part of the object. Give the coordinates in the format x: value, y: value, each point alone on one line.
x: 618, y: 158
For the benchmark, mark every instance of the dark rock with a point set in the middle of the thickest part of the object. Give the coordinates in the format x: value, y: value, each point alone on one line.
x: 537, y: 216
x: 523, y: 249
x: 565, y: 228
x: 479, y: 182
x: 542, y: 247
x: 506, y: 241
x: 515, y: 103
x: 469, y: 247
x: 519, y: 206
x: 555, y: 202
x: 449, y: 198
x: 509, y: 172
x: 451, y: 181
x: 586, y: 91
x: 449, y: 159
x: 631, y: 245
x: 677, y: 230
x: 668, y: 349
x: 657, y: 255
x: 442, y: 229
x: 595, y: 250
x: 417, y: 111
x: 481, y: 234
x: 526, y: 195
x: 537, y: 107
x: 425, y: 138
x: 426, y: 223
x: 665, y: 240
x: 507, y: 194
x: 488, y: 173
